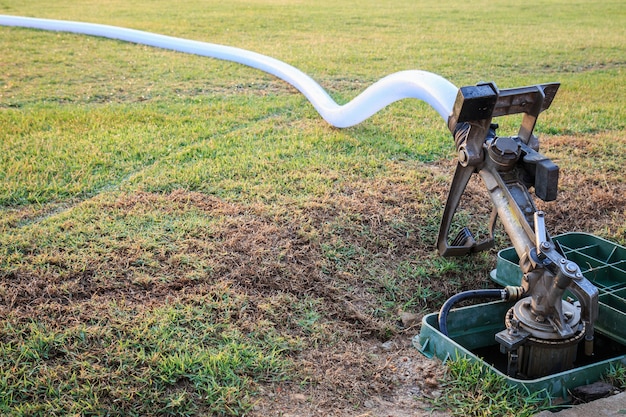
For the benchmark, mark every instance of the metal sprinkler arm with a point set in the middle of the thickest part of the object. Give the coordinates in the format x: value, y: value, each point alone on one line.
x: 567, y: 275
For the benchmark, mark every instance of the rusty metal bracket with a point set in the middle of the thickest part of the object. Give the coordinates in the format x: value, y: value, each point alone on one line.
x: 474, y: 133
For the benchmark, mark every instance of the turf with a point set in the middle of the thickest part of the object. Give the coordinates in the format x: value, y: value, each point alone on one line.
x: 181, y: 235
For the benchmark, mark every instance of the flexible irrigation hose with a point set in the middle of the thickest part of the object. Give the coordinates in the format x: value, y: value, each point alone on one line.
x: 435, y: 90
x: 472, y: 294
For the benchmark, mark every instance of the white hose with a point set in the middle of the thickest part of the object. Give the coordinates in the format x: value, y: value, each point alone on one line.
x: 435, y: 90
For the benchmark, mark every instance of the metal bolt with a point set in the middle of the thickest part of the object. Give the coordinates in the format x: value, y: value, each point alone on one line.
x: 463, y: 157
x: 545, y: 245
x: 571, y: 267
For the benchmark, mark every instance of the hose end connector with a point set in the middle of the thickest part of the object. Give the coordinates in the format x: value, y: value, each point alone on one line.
x: 513, y: 293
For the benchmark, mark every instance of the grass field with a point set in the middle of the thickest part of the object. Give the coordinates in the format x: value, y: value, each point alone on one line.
x: 186, y: 236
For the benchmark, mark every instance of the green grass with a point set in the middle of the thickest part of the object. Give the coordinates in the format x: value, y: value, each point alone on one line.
x: 177, y: 231
x: 176, y: 106
x: 179, y: 360
x: 470, y: 389
x: 616, y: 376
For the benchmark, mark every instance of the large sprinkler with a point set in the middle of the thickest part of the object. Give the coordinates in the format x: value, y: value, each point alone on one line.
x: 543, y: 331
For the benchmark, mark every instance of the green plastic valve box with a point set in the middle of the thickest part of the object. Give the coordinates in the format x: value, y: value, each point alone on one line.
x: 471, y: 330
